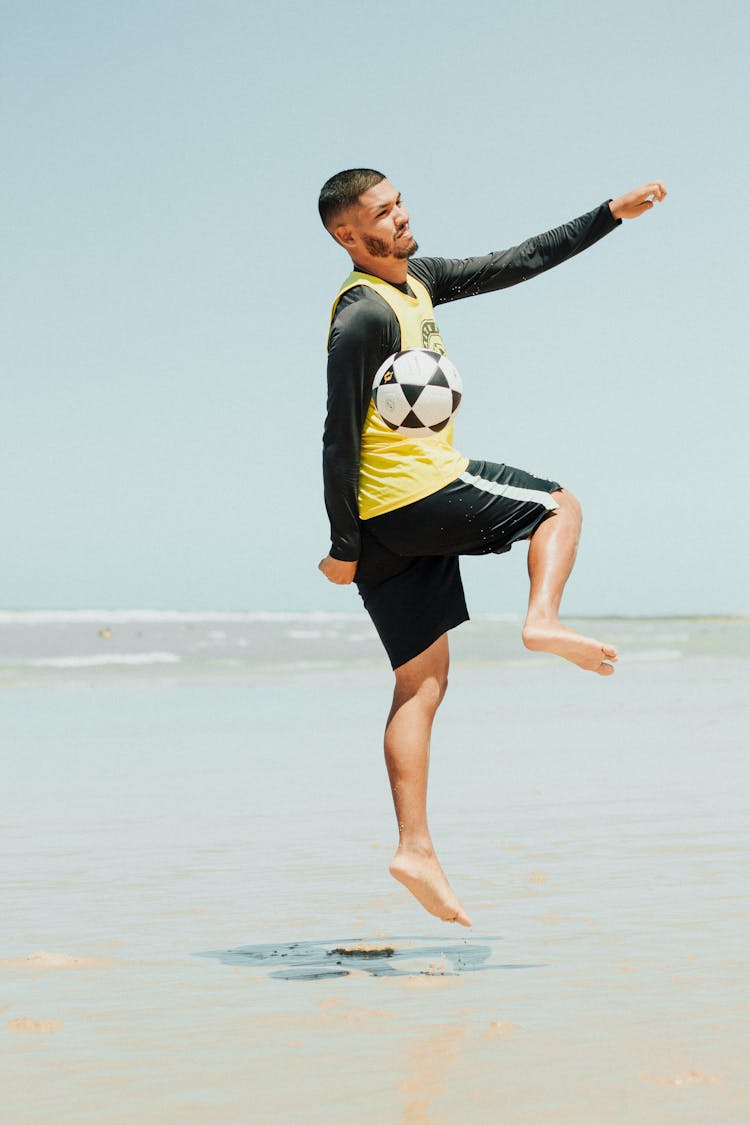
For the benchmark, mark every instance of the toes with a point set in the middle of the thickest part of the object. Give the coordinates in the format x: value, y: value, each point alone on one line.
x: 461, y: 918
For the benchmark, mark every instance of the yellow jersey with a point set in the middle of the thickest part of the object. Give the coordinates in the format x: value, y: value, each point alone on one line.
x: 398, y: 469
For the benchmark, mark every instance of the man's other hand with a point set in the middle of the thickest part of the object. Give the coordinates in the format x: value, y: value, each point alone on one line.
x: 641, y: 199
x: 337, y: 571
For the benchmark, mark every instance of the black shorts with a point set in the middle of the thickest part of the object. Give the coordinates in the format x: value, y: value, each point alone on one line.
x: 408, y: 574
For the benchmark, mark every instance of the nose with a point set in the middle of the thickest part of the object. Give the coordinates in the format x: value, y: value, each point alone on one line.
x: 401, y: 215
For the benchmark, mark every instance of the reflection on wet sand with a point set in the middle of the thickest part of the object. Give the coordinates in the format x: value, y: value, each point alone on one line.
x: 426, y: 1066
x: 399, y: 957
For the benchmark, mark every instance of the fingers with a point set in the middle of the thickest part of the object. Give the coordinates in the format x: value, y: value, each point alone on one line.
x: 336, y: 571
x: 639, y: 200
x: 654, y: 192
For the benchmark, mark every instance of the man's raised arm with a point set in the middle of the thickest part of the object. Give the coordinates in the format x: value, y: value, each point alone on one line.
x: 453, y: 279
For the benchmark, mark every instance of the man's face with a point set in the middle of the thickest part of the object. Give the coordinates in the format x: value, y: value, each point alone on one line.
x: 380, y: 223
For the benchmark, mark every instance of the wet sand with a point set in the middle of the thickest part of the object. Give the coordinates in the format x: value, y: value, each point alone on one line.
x: 198, y: 923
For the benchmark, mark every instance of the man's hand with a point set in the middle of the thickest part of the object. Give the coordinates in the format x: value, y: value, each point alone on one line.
x: 641, y: 199
x: 337, y: 571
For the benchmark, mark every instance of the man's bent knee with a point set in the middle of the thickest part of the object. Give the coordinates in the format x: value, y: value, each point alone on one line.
x: 568, y: 503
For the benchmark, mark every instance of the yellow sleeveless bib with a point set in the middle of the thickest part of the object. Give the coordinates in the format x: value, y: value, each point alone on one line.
x: 396, y: 469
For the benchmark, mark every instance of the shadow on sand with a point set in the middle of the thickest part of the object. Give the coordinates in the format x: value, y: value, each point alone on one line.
x: 320, y: 960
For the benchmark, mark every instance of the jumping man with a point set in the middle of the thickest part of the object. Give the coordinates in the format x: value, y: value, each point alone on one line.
x: 403, y: 509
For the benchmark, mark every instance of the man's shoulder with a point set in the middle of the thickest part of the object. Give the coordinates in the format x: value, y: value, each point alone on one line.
x: 423, y: 268
x: 364, y: 329
x: 361, y: 309
x: 429, y: 271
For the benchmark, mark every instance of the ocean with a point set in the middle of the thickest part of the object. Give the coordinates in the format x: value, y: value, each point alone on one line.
x: 198, y: 924
x: 237, y: 642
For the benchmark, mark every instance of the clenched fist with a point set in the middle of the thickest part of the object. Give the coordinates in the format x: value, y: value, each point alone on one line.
x: 336, y: 571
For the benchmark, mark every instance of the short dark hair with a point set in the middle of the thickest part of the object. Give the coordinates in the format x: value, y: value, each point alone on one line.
x: 343, y: 190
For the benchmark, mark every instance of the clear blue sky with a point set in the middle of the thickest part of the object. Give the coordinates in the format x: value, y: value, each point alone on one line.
x: 166, y: 284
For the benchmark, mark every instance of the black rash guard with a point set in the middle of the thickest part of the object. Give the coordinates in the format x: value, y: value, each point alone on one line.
x: 365, y: 331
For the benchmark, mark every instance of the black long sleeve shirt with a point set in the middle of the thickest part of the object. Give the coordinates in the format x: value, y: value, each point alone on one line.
x: 365, y: 331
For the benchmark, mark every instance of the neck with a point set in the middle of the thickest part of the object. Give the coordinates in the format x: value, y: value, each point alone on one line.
x: 392, y: 270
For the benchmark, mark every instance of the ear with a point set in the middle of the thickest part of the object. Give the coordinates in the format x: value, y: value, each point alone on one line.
x: 344, y: 235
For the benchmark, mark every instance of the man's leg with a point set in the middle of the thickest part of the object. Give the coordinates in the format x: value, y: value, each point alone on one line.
x: 420, y: 687
x: 552, y: 552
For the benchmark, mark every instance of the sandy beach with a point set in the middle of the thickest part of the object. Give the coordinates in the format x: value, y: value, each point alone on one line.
x: 198, y: 925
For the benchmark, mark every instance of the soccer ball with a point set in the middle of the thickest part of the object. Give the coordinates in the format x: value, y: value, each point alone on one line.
x: 417, y: 392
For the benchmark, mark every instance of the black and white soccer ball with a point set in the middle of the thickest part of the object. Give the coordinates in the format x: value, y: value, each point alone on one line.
x: 417, y: 392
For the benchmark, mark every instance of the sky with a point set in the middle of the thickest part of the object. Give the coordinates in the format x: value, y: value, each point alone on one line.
x: 166, y: 283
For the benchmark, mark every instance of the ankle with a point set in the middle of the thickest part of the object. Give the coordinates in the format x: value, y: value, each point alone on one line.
x: 541, y: 619
x: 416, y: 845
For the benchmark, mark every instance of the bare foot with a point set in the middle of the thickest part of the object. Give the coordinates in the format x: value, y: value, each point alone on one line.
x: 584, y: 651
x: 421, y: 874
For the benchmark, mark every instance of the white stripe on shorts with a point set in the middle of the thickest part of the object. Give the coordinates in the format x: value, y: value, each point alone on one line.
x: 512, y: 491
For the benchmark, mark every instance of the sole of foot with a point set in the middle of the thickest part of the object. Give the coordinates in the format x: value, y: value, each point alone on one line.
x: 425, y: 879
x: 586, y: 652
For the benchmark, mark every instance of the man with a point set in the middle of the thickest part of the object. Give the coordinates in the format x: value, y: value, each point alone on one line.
x: 403, y: 509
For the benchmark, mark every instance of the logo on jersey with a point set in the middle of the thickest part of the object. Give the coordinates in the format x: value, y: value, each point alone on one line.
x: 431, y: 337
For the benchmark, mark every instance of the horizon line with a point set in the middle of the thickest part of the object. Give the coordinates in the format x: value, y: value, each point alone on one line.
x: 146, y: 613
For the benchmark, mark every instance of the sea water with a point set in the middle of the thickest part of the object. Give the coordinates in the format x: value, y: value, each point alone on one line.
x: 158, y: 734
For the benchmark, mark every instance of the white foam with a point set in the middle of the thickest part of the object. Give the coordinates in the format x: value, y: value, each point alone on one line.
x: 108, y: 658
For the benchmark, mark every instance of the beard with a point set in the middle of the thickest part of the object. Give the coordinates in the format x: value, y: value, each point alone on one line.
x: 399, y: 249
